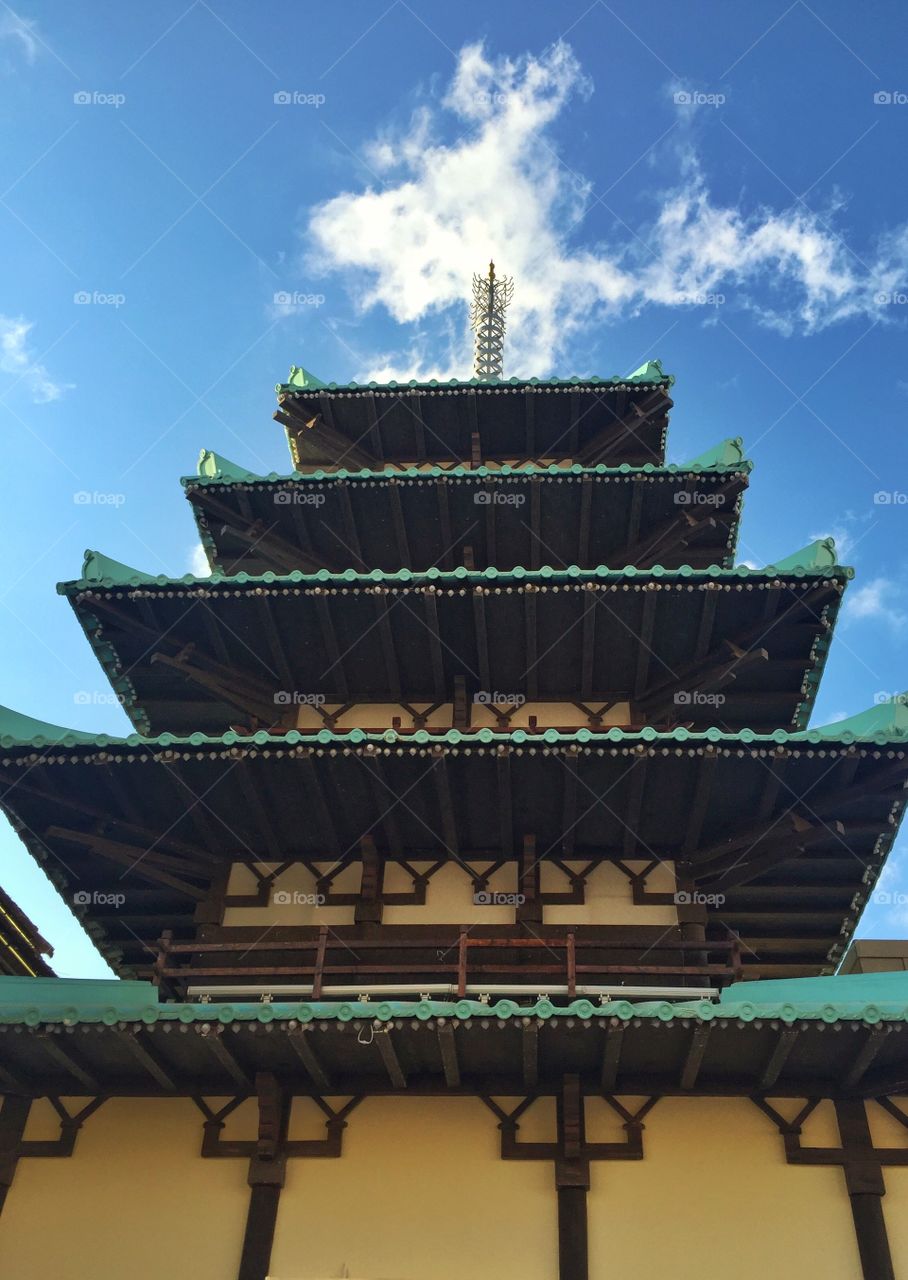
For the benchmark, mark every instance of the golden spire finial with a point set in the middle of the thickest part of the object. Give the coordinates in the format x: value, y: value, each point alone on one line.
x: 491, y: 298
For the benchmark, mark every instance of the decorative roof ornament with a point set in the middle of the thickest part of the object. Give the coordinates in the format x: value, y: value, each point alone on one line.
x: 491, y: 298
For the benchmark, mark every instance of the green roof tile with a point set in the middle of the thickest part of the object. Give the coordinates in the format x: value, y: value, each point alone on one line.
x: 101, y: 571
x: 651, y: 372
x: 17, y: 731
x: 869, y: 998
x: 816, y: 555
x: 215, y: 469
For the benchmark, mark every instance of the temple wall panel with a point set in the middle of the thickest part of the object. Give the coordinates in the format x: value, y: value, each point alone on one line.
x: 420, y: 1193
x: 714, y: 1193
x: 135, y: 1200
x: 377, y: 716
x: 450, y: 897
x: 608, y: 896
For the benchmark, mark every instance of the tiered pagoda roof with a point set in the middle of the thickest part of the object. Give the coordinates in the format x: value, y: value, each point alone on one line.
x: 330, y: 694
x: 420, y: 517
x: 23, y: 951
x: 610, y: 420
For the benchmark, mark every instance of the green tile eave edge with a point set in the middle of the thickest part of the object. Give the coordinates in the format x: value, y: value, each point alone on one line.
x: 649, y: 374
x: 740, y: 1012
x: 236, y: 476
x: 837, y: 734
x: 113, y: 575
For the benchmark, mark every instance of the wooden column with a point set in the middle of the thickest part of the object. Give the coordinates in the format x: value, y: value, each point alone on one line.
x: 866, y: 1188
x: 267, y: 1168
x: 572, y: 1181
x: 13, y: 1118
x: 368, y: 909
x: 530, y: 910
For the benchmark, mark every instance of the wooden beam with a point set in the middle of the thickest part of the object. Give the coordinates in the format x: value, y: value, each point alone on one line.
x: 136, y: 1045
x: 778, y: 1058
x: 301, y: 1044
x: 335, y: 671
x: 70, y: 1064
x: 219, y: 1049
x: 399, y: 524
x: 13, y: 1119
x: 611, y: 1058
x: 396, y: 1073
x: 435, y: 653
x: 447, y: 1044
x: 695, y: 1054
x: 530, y: 1057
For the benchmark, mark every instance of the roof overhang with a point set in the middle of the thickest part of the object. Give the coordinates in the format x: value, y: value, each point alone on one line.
x: 697, y: 647
x: 419, y: 518
x: 116, y: 1039
x: 784, y: 834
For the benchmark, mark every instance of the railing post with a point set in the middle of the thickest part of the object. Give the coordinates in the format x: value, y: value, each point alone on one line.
x: 571, y: 965
x: 462, y: 962
x: 318, y: 975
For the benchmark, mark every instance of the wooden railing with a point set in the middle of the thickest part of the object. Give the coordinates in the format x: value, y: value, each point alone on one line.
x: 463, y: 959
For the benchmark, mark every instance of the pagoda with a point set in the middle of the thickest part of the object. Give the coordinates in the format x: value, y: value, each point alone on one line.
x: 472, y: 841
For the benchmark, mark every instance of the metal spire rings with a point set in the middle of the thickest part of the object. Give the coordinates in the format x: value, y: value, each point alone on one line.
x: 491, y: 298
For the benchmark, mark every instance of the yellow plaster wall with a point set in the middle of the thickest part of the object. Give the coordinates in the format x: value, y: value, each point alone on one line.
x: 449, y: 897
x: 419, y: 1194
x: 608, y: 896
x: 135, y: 1201
x: 714, y: 1195
x: 376, y: 717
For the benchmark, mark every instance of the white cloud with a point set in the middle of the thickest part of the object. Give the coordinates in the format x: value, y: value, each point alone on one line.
x: 878, y: 599
x: 198, y: 564
x: 441, y: 209
x: 17, y: 359
x: 844, y: 542
x: 22, y: 31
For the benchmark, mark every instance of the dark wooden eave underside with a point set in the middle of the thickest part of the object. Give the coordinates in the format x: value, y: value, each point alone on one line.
x: 209, y: 657
x: 521, y: 520
x: 588, y: 424
x: 680, y: 1057
x: 790, y: 837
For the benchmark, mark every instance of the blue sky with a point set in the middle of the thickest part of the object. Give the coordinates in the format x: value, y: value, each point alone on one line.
x: 720, y: 186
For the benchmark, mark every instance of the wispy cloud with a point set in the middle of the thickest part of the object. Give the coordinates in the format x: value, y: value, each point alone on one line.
x: 17, y: 359
x: 880, y: 600
x: 20, y: 31
x: 197, y: 562
x: 439, y: 209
